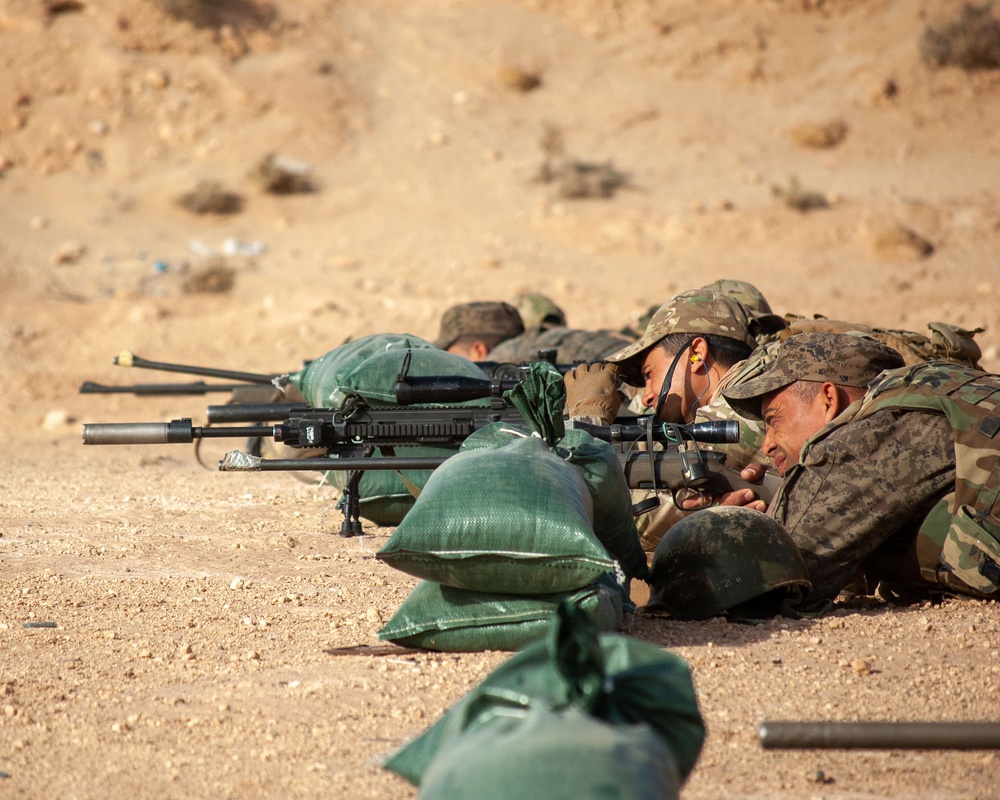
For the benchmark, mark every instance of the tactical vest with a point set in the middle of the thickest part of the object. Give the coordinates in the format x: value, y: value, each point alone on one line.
x: 958, y: 544
x: 946, y: 342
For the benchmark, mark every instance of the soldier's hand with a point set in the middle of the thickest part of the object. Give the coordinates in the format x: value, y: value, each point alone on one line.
x: 744, y: 497
x: 592, y: 391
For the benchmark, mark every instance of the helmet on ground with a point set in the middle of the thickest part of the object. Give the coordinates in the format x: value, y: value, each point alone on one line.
x: 727, y: 559
x: 539, y: 311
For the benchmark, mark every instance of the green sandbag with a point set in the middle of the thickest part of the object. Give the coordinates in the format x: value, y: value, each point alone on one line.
x: 614, y: 678
x: 514, y: 519
x: 556, y: 755
x: 437, y: 617
x: 601, y: 468
x: 369, y: 367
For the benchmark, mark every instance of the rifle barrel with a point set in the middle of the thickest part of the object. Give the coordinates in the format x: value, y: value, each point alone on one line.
x: 197, y: 387
x: 880, y: 735
x: 128, y: 359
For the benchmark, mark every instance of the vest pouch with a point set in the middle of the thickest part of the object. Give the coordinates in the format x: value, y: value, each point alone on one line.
x: 970, y: 555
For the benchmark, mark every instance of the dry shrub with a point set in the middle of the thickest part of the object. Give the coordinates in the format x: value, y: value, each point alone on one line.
x: 518, y: 80
x: 55, y: 7
x: 216, y: 278
x: 799, y: 198
x: 209, y: 197
x: 896, y: 241
x: 819, y: 135
x: 217, y: 13
x: 277, y: 175
x: 577, y: 180
x: 971, y: 42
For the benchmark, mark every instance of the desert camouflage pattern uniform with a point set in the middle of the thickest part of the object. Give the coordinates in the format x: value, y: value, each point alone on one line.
x: 571, y: 345
x: 653, y: 525
x: 903, y: 485
x: 946, y: 342
x: 696, y: 312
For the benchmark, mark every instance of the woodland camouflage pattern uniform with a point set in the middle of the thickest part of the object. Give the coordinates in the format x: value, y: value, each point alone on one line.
x: 904, y: 484
x: 698, y: 312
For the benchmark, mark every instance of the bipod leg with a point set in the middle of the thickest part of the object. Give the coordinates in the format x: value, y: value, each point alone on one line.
x: 351, y: 504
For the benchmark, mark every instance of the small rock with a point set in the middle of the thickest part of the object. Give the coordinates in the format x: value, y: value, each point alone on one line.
x: 253, y: 655
x: 237, y: 583
x: 860, y: 666
x: 56, y: 419
x: 819, y: 135
x: 69, y: 253
x: 157, y: 79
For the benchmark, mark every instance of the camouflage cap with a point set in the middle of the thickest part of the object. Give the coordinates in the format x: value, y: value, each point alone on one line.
x: 539, y: 311
x: 845, y: 359
x: 478, y: 319
x: 699, y: 312
x: 750, y: 296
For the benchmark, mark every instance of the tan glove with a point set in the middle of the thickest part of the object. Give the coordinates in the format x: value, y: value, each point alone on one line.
x: 592, y: 391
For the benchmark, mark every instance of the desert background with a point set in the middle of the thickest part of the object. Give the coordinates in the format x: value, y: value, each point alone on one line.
x: 205, y: 622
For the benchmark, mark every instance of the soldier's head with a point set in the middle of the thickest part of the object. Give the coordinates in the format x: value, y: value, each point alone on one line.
x: 690, y: 342
x: 539, y: 311
x: 812, y: 379
x: 473, y: 329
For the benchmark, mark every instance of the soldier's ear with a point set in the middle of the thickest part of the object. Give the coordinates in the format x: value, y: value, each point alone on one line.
x: 832, y: 401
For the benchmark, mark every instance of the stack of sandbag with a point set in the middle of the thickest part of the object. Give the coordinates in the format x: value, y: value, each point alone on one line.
x: 505, y: 531
x: 368, y: 367
x: 576, y: 717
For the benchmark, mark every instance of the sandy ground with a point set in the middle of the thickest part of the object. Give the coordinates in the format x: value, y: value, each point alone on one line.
x: 208, y: 625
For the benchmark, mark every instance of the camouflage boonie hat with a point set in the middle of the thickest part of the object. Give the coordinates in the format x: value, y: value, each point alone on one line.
x: 538, y: 311
x: 750, y: 296
x: 844, y: 359
x: 478, y: 319
x: 699, y: 312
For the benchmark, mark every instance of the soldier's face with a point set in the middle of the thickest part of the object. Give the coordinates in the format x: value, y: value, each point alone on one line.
x: 791, y: 418
x: 677, y: 407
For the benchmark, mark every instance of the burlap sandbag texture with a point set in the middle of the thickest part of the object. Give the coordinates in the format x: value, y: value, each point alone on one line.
x: 515, y: 519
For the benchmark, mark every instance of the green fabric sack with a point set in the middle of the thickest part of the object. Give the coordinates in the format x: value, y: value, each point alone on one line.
x: 515, y: 519
x: 558, y: 755
x: 599, y: 465
x: 369, y: 367
x: 437, y: 617
x: 613, y: 678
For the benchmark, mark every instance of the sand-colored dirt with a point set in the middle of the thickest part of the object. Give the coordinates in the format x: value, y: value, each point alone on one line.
x: 214, y: 636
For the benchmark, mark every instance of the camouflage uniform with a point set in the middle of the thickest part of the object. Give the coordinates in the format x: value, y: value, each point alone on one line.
x: 699, y: 312
x: 904, y: 484
x: 571, y: 345
x: 946, y: 342
x: 771, y: 324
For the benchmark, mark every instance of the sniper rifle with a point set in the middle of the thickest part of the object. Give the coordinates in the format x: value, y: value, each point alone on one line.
x: 353, y: 432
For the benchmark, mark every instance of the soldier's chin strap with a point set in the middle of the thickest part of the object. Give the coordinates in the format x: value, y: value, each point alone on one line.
x: 661, y: 401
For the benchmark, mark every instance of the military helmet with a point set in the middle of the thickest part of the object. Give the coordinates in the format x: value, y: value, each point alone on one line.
x: 726, y: 559
x: 751, y: 297
x: 539, y: 311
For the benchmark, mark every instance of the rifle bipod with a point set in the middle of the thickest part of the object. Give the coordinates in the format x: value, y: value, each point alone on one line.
x: 350, y: 505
